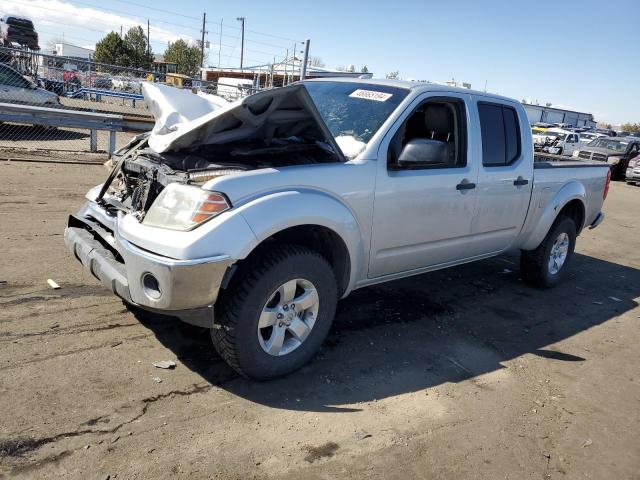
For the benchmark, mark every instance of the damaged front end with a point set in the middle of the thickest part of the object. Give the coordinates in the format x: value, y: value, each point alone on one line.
x: 271, y: 129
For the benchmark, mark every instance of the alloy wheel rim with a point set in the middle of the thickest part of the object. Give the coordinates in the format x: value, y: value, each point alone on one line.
x: 288, y: 317
x: 559, y: 253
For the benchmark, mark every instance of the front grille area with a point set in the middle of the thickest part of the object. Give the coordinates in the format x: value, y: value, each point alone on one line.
x: 601, y: 157
x: 585, y: 155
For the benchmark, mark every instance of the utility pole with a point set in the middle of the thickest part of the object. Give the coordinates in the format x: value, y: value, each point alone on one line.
x: 293, y: 63
x: 286, y: 65
x: 120, y: 31
x: 241, y: 20
x: 303, y: 70
x: 148, y: 39
x: 204, y: 20
x: 220, y: 44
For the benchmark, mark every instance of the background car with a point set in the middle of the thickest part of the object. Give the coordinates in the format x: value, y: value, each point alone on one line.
x: 632, y: 175
x: 14, y: 88
x: 103, y: 83
x: 616, y: 151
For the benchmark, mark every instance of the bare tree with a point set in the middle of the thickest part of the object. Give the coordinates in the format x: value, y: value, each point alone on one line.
x: 51, y: 43
x: 316, y: 62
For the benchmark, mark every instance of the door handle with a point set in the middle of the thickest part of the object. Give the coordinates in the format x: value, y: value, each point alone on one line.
x: 465, y: 185
x: 518, y: 182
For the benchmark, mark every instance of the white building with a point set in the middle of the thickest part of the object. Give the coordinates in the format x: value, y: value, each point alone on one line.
x: 551, y: 114
x: 73, y: 51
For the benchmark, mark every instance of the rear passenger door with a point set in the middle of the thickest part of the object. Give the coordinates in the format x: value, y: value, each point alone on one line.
x: 505, y: 176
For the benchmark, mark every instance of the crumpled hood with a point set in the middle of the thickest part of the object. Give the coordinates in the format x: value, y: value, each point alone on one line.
x: 186, y: 123
x: 172, y: 107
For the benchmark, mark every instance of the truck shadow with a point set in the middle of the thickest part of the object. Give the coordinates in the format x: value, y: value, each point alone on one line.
x: 411, y: 334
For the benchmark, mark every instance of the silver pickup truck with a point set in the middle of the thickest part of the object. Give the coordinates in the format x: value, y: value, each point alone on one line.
x: 255, y: 218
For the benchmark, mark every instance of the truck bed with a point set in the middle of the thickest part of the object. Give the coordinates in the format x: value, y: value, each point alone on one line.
x: 547, y: 160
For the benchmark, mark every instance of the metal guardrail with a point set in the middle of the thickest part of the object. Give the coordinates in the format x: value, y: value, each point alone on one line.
x: 97, y: 94
x: 58, y: 117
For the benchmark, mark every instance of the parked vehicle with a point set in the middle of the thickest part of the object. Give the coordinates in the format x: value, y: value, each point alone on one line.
x: 615, y: 151
x: 102, y: 82
x: 20, y: 30
x: 630, y: 134
x: 607, y: 132
x: 234, y: 88
x: 632, y: 175
x: 587, y: 137
x: 125, y: 83
x: 565, y: 143
x: 543, y: 138
x: 255, y: 218
x: 14, y: 88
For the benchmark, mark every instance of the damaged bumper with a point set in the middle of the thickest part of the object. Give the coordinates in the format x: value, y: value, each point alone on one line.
x: 183, y: 288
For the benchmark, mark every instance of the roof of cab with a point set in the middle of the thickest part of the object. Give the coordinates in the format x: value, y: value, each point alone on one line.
x: 413, y: 86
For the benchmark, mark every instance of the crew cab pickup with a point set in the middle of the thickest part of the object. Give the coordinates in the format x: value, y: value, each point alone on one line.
x: 255, y: 217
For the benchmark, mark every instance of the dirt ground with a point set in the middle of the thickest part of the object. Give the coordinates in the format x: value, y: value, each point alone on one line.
x: 463, y: 373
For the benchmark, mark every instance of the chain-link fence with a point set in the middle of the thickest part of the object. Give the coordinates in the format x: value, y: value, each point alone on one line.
x: 53, y: 103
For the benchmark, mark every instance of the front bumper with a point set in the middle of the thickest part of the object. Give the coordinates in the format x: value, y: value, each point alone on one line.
x: 183, y: 288
x: 633, y: 174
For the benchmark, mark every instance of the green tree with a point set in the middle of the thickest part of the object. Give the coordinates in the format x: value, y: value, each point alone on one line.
x: 112, y: 50
x: 364, y: 69
x: 137, y: 49
x: 186, y: 57
x: 630, y: 127
x: 393, y: 75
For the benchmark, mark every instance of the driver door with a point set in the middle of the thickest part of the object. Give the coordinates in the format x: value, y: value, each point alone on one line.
x: 423, y: 212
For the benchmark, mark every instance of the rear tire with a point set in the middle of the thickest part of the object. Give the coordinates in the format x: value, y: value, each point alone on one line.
x: 545, y: 266
x: 264, y: 292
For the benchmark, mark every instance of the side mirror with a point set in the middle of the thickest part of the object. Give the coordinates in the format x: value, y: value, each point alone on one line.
x: 422, y: 152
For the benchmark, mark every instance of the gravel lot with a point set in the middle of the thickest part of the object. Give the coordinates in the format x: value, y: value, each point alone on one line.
x: 463, y: 373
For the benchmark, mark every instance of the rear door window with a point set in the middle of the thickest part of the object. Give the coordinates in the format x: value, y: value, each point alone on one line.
x: 500, y: 134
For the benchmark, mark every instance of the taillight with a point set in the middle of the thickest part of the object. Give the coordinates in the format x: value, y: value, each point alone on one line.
x: 606, y: 185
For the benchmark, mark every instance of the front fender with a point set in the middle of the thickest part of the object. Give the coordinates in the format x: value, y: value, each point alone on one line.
x: 571, y: 191
x: 270, y: 214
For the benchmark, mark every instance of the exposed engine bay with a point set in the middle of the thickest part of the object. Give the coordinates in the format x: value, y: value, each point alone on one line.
x: 271, y: 129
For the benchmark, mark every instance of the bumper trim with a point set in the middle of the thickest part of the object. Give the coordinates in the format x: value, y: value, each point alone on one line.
x: 597, y: 221
x: 169, y: 262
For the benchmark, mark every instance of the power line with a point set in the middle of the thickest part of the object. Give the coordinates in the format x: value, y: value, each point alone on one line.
x: 221, y: 45
x: 170, y: 12
x: 121, y: 12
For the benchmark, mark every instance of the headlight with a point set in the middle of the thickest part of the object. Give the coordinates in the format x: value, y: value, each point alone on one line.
x: 183, y: 207
x: 613, y: 160
x: 575, y: 153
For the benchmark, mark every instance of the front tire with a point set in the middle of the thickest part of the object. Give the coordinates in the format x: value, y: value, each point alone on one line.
x: 545, y: 266
x: 276, y: 313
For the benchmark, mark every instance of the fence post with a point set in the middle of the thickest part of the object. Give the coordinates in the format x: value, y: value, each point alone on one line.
x: 93, y: 140
x: 112, y: 142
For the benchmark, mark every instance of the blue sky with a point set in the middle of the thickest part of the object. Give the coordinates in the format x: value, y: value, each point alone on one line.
x: 583, y: 54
